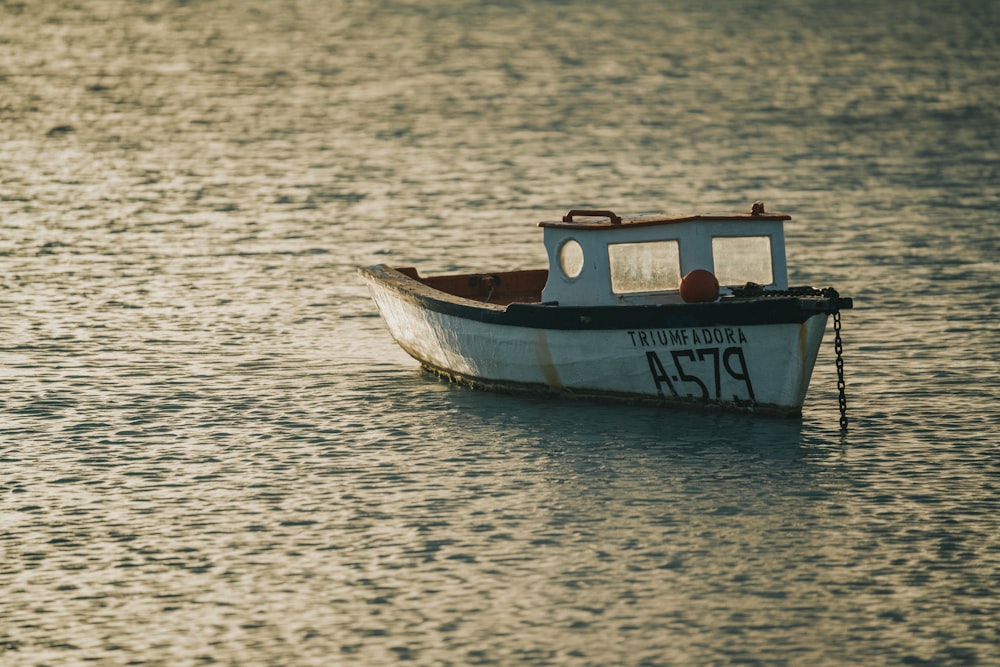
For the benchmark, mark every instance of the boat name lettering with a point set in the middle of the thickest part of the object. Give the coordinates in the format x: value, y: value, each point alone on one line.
x: 702, y: 368
x: 703, y: 336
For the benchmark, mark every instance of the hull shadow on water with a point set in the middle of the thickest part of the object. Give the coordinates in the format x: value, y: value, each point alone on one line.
x: 588, y: 426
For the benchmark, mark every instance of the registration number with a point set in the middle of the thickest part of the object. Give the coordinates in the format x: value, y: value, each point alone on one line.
x: 704, y: 372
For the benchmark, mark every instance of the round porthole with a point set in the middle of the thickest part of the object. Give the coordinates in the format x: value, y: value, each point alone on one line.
x: 571, y: 258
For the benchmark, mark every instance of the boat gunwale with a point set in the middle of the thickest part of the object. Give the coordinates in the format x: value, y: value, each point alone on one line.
x: 729, y: 312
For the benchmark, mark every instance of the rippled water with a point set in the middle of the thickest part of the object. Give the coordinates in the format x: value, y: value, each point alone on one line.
x: 211, y: 451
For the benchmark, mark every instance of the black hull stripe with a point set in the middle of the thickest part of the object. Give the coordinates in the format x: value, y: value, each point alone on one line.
x: 783, y: 310
x: 597, y: 395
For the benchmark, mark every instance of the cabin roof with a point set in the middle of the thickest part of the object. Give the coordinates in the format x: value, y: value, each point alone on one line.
x: 605, y: 220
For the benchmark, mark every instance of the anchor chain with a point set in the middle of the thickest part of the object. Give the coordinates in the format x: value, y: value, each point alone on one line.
x: 838, y: 346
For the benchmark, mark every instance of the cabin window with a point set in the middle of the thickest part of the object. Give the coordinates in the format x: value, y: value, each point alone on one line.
x: 742, y: 259
x: 644, y: 267
x: 571, y: 258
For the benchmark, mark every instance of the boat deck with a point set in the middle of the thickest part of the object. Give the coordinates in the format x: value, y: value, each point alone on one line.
x: 501, y: 288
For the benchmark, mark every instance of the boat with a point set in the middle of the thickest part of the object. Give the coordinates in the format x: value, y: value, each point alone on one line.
x: 675, y: 310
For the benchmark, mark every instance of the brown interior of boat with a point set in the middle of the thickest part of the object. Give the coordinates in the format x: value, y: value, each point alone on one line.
x: 501, y: 288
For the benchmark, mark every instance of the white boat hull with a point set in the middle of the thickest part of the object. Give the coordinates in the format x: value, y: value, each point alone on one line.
x: 754, y: 365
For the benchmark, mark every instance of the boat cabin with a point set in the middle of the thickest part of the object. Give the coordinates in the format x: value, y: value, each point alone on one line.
x: 597, y: 258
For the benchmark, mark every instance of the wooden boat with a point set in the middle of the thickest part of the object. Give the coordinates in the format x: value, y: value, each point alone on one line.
x: 691, y: 310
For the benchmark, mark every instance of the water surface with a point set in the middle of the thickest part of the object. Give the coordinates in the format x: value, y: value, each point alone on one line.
x: 211, y: 451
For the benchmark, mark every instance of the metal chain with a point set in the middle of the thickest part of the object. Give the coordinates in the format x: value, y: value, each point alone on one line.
x: 755, y: 291
x: 838, y: 346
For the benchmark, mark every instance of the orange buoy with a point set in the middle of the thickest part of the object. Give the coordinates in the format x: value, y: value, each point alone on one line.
x: 699, y: 286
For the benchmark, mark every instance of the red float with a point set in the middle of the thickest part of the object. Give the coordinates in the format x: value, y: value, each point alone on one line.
x: 699, y: 286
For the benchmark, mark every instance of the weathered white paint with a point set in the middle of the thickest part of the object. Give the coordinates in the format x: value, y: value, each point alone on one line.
x: 779, y: 358
x: 593, y: 285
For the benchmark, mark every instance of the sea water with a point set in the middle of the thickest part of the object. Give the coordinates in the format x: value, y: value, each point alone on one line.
x: 212, y: 452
